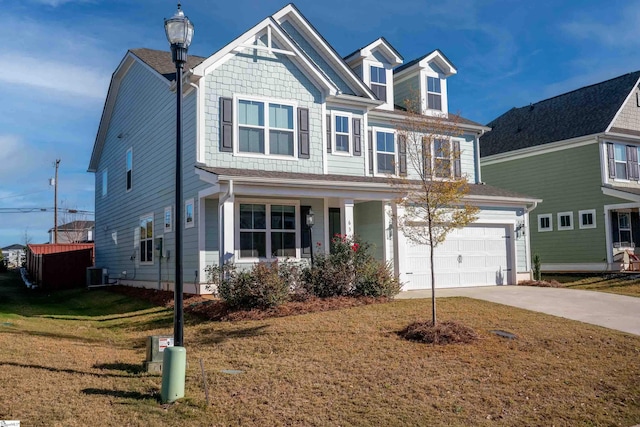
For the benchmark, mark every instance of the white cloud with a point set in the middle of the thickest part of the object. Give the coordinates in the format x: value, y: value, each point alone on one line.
x: 56, y: 3
x: 625, y: 31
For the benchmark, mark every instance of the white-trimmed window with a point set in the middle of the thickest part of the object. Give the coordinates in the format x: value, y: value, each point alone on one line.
x: 267, y: 230
x: 385, y: 152
x: 442, y: 158
x: 587, y: 218
x: 565, y: 220
x: 189, y: 216
x: 129, y: 166
x: 624, y: 228
x: 266, y: 127
x: 620, y: 152
x: 146, y: 239
x: 168, y: 219
x: 341, y: 133
x: 545, y: 222
x: 379, y: 82
x: 104, y: 182
x: 434, y: 93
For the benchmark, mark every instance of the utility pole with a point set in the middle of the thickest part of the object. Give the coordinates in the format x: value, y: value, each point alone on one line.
x: 55, y: 204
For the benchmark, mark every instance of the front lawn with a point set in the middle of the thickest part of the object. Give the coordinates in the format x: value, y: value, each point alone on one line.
x: 66, y: 366
x: 623, y: 284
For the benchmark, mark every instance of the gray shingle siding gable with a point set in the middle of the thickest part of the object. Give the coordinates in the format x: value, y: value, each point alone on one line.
x: 584, y: 111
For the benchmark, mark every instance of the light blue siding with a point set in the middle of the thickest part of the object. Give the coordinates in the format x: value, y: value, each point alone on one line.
x: 406, y: 89
x: 143, y: 119
x: 312, y: 51
x: 341, y: 164
x: 269, y: 76
x: 369, y: 225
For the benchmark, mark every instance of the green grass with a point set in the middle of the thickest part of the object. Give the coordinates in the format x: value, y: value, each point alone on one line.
x: 622, y: 284
x: 78, y: 363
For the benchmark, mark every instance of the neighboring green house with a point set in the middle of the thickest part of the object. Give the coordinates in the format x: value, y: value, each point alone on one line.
x: 578, y: 152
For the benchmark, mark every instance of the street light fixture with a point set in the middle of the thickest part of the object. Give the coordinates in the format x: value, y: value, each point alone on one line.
x: 179, y: 31
x: 310, y: 221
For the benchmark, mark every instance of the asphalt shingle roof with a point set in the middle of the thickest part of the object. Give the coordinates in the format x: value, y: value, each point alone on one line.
x: 161, y: 61
x: 584, y: 111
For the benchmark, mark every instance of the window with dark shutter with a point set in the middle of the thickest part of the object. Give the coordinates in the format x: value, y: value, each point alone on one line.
x: 303, y: 133
x: 226, y: 124
x: 632, y: 162
x: 357, y: 138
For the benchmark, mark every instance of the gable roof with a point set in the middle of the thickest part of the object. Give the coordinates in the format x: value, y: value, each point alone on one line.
x: 75, y: 226
x: 585, y: 111
x: 162, y: 62
x: 435, y: 55
x: 380, y: 43
x: 14, y: 247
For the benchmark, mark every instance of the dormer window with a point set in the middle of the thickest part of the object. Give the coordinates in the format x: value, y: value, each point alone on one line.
x: 379, y: 82
x: 434, y: 93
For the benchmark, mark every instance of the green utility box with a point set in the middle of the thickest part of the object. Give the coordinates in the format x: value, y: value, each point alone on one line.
x: 173, y: 374
x: 156, y: 345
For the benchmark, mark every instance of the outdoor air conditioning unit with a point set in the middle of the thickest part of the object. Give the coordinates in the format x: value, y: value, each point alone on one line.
x: 97, y: 276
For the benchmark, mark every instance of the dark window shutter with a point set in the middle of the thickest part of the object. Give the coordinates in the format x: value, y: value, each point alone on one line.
x: 615, y: 228
x: 303, y: 133
x: 426, y: 156
x: 357, y: 138
x: 226, y: 124
x: 612, y: 160
x: 328, y: 134
x: 370, y: 134
x: 457, y: 164
x: 632, y: 162
x: 402, y: 155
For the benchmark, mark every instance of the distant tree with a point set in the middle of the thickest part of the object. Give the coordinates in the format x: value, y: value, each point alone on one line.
x: 3, y: 263
x: 76, y: 221
x: 434, y: 188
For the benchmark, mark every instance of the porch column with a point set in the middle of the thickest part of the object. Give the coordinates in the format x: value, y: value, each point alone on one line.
x: 227, y: 230
x: 347, y: 210
x: 608, y: 237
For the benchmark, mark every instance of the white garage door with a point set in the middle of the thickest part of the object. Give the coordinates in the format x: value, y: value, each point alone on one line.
x: 472, y: 256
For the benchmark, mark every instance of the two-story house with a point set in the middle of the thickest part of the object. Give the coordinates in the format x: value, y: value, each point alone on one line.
x: 578, y: 152
x: 276, y: 123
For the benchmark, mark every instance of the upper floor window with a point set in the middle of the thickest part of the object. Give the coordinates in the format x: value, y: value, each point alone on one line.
x: 342, y: 134
x: 379, y: 82
x: 434, y: 93
x: 565, y: 221
x: 104, y: 182
x: 265, y: 128
x: 129, y: 168
x: 146, y: 239
x: 623, y: 161
x: 442, y: 158
x: 385, y: 152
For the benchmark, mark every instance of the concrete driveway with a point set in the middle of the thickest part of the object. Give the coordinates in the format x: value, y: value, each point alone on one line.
x: 598, y: 308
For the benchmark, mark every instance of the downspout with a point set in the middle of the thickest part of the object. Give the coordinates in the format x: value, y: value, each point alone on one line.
x: 477, y: 147
x: 527, y: 242
x: 223, y: 199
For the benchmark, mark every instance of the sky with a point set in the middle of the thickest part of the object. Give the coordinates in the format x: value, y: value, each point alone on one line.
x: 58, y: 57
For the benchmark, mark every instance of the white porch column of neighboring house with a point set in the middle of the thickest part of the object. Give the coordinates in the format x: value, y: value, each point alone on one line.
x: 347, y: 211
x: 227, y: 230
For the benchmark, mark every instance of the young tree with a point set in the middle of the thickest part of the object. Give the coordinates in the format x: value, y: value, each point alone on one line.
x: 433, y: 188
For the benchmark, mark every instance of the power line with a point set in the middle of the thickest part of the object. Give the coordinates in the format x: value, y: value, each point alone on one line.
x: 34, y: 210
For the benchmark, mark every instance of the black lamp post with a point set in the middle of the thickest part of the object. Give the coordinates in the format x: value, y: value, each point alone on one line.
x: 179, y: 32
x: 310, y: 220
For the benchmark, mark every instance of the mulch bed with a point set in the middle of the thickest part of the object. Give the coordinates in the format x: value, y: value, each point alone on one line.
x: 216, y: 310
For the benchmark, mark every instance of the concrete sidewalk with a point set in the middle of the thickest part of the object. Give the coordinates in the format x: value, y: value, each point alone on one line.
x: 598, y: 308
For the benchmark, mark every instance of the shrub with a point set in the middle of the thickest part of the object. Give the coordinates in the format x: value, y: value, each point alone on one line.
x: 537, y: 273
x: 261, y: 287
x: 350, y: 269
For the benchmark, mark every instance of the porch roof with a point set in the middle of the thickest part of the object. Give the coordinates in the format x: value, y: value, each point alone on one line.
x: 381, y: 183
